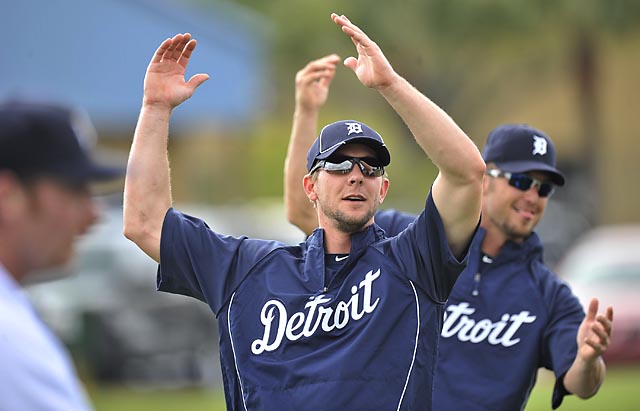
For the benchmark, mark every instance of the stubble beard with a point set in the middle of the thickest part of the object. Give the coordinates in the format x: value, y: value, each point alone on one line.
x: 513, y: 232
x: 348, y: 224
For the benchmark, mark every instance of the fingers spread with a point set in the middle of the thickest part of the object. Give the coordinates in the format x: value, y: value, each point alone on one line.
x: 600, y: 330
x: 157, y: 57
x: 593, y: 309
x: 195, y: 81
x: 351, y: 62
x: 597, y: 346
x: 186, y: 52
x: 322, y: 69
x: 606, y: 324
x: 180, y: 42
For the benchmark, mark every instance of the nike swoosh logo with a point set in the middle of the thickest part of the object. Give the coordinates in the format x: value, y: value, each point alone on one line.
x: 486, y: 259
x: 338, y: 259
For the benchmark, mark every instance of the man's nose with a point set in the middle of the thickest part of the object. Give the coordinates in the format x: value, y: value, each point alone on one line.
x: 356, y: 176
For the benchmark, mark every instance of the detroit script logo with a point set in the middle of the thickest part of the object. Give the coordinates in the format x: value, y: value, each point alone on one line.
x: 278, y: 324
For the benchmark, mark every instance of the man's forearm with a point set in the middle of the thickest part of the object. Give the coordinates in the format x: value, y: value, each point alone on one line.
x: 457, y: 190
x: 299, y: 210
x: 584, y: 378
x: 147, y: 193
x: 439, y: 136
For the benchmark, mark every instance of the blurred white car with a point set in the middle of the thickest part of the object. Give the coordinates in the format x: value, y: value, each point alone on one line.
x: 605, y: 263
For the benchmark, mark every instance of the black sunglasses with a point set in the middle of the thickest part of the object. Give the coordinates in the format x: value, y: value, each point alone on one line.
x: 524, y: 182
x: 344, y: 166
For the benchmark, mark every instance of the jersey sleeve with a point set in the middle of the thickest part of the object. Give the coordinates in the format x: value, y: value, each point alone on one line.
x: 393, y: 222
x: 200, y: 263
x: 559, y: 345
x: 422, y: 249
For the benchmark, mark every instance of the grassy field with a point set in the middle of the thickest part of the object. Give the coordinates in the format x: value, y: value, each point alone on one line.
x: 618, y: 393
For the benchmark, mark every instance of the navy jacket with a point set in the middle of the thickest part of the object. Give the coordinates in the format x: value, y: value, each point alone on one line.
x: 501, y: 326
x: 366, y: 339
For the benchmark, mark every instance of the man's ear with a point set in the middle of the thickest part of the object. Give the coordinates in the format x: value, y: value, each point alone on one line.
x: 309, y: 184
x: 12, y: 195
x: 384, y: 188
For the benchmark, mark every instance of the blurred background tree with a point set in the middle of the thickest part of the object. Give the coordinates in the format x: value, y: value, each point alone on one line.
x: 566, y: 67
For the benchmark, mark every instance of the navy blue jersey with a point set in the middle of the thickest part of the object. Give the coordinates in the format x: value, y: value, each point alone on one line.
x: 501, y: 326
x: 290, y: 339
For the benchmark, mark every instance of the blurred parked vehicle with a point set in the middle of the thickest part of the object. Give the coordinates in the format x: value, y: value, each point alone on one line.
x: 605, y: 263
x: 119, y: 328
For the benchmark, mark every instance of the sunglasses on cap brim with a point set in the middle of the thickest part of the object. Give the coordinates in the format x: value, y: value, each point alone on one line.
x: 524, y: 182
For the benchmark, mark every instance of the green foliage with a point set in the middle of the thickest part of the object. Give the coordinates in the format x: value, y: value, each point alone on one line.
x: 485, y: 62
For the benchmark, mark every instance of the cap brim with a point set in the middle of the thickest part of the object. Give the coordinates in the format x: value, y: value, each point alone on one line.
x: 89, y: 173
x: 382, y: 153
x: 102, y: 173
x: 525, y: 166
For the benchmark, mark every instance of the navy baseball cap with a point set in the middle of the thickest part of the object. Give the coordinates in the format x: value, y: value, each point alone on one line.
x: 335, y: 135
x: 519, y: 148
x: 41, y: 139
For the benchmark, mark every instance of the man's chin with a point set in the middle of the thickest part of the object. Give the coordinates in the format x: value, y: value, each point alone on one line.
x: 352, y: 225
x: 57, y: 271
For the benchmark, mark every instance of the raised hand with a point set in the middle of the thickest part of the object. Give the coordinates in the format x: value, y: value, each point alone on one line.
x: 164, y: 82
x: 313, y: 81
x: 371, y: 67
x: 594, y: 334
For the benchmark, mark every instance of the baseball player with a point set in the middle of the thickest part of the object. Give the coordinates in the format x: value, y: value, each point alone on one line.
x: 349, y: 319
x: 508, y: 314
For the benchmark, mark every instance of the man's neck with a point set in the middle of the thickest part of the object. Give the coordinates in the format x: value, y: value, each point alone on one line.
x: 493, y: 239
x: 492, y: 243
x: 336, y: 241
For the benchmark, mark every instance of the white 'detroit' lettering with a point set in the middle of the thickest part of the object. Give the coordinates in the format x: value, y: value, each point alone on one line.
x: 278, y: 325
x: 457, y: 322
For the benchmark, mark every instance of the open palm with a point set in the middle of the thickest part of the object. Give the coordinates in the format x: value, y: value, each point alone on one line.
x: 164, y: 82
x: 594, y: 334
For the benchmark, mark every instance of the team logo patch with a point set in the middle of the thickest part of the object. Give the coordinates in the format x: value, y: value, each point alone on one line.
x: 354, y: 128
x: 539, y: 145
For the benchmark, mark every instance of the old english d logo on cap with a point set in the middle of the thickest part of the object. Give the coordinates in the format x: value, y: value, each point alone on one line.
x: 539, y: 145
x: 353, y: 128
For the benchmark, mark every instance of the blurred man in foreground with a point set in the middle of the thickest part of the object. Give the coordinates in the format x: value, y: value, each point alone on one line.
x: 45, y: 204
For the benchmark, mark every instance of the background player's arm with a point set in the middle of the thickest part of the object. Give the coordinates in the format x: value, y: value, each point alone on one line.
x: 147, y: 191
x: 457, y: 191
x: 312, y: 90
x: 587, y: 372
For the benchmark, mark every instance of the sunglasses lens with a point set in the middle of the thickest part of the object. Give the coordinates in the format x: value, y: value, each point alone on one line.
x: 520, y: 181
x: 367, y: 170
x: 524, y: 182
x: 545, y: 189
x: 343, y: 167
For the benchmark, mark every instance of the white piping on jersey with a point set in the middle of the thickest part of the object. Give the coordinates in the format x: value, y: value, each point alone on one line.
x: 415, y: 347
x: 233, y: 349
